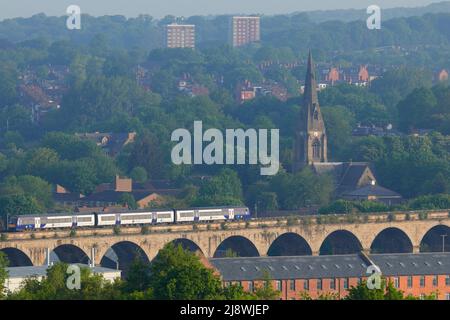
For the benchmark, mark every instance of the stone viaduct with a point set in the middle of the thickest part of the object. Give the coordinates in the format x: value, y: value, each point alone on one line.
x: 311, y: 235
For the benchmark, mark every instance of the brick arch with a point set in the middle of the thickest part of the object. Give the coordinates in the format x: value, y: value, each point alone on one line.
x: 16, y: 257
x: 121, y: 254
x: 392, y: 240
x: 432, y: 241
x: 289, y: 244
x: 74, y: 253
x: 243, y: 246
x: 332, y: 245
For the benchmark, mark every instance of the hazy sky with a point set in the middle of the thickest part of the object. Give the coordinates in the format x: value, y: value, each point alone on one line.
x: 159, y: 8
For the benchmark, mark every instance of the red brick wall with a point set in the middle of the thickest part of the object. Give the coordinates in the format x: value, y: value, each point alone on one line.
x: 416, y: 289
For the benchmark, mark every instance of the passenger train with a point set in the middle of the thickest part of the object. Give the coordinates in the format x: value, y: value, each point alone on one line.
x: 126, y: 218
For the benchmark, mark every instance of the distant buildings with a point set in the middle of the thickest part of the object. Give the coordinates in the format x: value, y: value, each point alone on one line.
x: 180, y: 36
x: 414, y: 274
x: 245, y: 30
x: 247, y: 91
x: 356, y: 76
x: 110, y: 196
x: 442, y: 76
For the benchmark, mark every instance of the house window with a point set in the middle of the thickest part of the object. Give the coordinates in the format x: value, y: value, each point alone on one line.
x: 292, y: 285
x: 279, y: 285
x: 435, y: 281
x: 396, y: 282
x: 306, y: 284
x: 346, y: 283
x: 410, y: 281
x: 319, y: 284
x: 422, y: 281
x: 316, y: 149
x: 447, y: 281
x: 447, y: 296
x: 251, y: 286
x: 332, y: 284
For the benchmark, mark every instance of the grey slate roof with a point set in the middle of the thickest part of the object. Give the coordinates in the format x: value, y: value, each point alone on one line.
x: 372, y: 190
x: 336, y: 266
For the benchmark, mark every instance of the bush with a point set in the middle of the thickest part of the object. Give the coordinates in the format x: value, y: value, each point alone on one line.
x: 338, y: 207
x: 145, y: 230
x: 440, y: 201
x: 116, y: 230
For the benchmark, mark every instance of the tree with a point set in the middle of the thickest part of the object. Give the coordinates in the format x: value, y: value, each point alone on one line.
x: 223, y: 189
x: 146, y: 152
x: 266, y: 290
x: 32, y: 186
x: 387, y: 291
x: 19, y: 204
x: 127, y: 199
x: 431, y: 202
x: 416, y: 109
x: 3, y: 273
x: 339, y: 123
x: 302, y: 189
x: 139, y: 174
x: 177, y: 274
x: 138, y: 277
x: 54, y: 286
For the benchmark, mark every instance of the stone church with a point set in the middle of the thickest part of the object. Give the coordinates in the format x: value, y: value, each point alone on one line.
x: 354, y: 180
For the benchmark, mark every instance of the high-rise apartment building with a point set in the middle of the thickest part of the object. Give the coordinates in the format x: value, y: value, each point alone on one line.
x: 180, y: 35
x: 245, y: 30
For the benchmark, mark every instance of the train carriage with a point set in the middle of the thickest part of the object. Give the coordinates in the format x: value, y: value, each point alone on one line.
x: 50, y: 221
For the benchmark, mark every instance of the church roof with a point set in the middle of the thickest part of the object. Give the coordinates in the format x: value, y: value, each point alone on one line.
x: 372, y: 190
x: 346, y: 174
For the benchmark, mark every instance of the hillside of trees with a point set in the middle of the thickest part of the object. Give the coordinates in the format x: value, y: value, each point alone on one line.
x: 103, y: 95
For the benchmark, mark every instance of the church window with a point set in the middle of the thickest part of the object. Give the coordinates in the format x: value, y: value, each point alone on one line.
x: 316, y: 149
x: 316, y: 115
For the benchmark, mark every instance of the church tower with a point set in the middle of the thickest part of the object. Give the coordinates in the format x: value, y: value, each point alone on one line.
x: 310, y: 145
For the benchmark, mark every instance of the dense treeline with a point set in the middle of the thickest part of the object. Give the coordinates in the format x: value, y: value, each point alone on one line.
x: 297, y: 32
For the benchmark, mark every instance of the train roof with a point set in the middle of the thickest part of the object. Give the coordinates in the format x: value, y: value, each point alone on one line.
x: 52, y: 214
x: 132, y: 211
x: 218, y: 207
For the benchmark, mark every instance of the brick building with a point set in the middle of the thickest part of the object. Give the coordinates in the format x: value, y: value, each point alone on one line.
x: 245, y: 30
x: 180, y: 36
x: 414, y: 274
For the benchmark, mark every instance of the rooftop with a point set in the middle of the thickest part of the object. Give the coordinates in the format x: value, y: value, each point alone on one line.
x: 336, y: 266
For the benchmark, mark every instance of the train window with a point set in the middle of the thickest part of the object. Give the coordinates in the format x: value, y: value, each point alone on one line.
x: 26, y: 221
x: 84, y: 219
x: 164, y: 215
x: 108, y: 218
x: 186, y: 214
x: 136, y: 216
x: 57, y: 220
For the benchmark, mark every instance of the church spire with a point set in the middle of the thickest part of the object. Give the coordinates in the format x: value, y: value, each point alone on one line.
x: 310, y: 93
x: 310, y: 137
